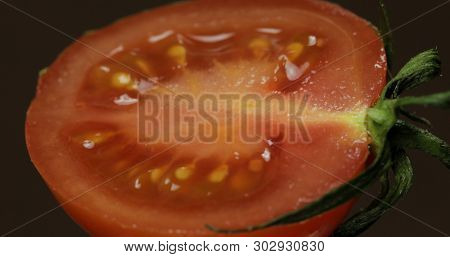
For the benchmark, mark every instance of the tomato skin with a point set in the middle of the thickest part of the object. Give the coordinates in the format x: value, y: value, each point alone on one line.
x: 320, y: 225
x: 96, y: 210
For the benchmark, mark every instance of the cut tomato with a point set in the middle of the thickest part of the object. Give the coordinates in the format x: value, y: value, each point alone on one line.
x: 83, y: 135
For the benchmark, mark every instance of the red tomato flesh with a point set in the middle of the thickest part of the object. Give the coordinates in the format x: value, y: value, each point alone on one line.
x: 82, y: 134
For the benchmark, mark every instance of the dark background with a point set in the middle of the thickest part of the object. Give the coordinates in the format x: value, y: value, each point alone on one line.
x: 27, y: 46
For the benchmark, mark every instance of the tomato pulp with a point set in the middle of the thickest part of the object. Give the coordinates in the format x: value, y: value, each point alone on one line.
x: 82, y: 132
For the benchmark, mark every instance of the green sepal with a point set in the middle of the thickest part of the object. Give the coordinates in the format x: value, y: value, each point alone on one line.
x: 441, y: 100
x: 409, y: 136
x: 421, y: 68
x: 89, y: 32
x: 414, y: 117
x: 390, y: 194
x: 386, y: 33
x: 42, y: 72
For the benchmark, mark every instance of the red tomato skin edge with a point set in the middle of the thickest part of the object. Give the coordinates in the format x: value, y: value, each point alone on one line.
x: 310, y: 227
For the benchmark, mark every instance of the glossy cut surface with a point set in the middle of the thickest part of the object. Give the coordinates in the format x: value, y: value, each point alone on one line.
x: 82, y: 131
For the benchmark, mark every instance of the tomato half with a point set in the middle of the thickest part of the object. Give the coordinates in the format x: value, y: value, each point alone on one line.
x: 82, y: 132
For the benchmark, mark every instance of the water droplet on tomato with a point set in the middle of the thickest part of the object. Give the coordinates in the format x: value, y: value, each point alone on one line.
x: 137, y: 183
x: 88, y: 144
x: 212, y: 38
x: 174, y: 187
x: 104, y: 68
x: 269, y: 30
x: 125, y: 99
x: 159, y: 37
x: 312, y: 40
x: 266, y: 154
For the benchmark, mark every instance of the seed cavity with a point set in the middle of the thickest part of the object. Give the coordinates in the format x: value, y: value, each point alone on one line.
x: 178, y: 54
x: 144, y: 66
x: 294, y: 50
x: 155, y: 174
x: 183, y: 172
x: 218, y: 174
x: 237, y: 172
x: 122, y: 80
x: 255, y: 165
x: 242, y: 181
x: 320, y: 42
x: 259, y: 47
